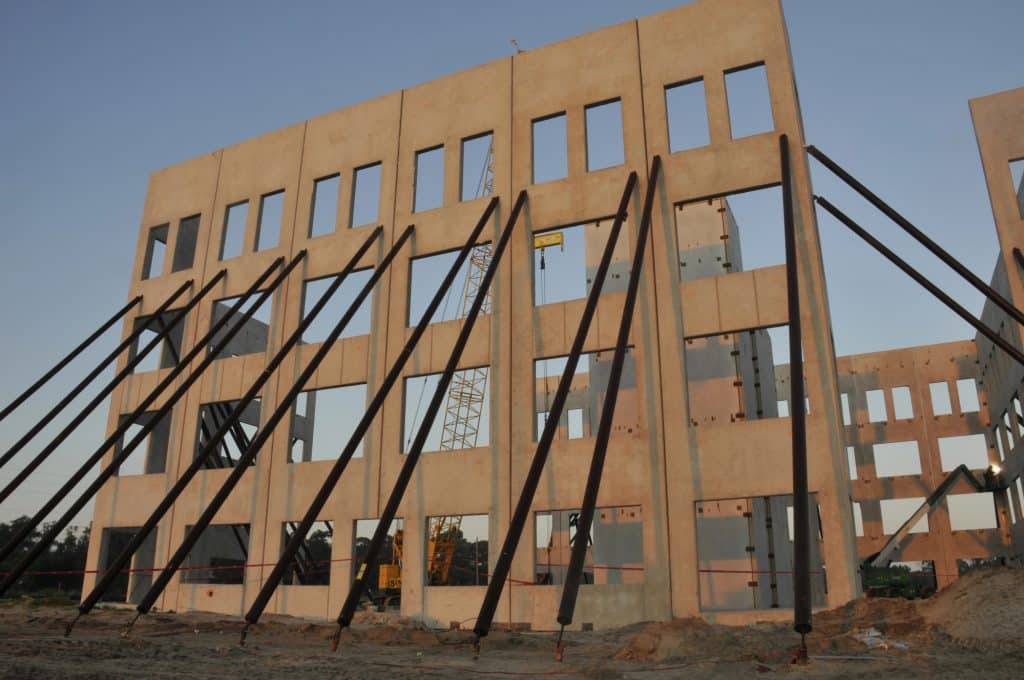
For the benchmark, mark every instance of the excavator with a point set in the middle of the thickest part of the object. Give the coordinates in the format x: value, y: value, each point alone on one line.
x: 879, y: 576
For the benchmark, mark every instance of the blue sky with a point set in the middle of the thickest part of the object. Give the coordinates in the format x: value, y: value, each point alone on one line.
x: 98, y: 95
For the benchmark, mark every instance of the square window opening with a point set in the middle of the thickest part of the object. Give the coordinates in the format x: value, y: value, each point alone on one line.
x: 219, y: 556
x: 427, y: 273
x: 896, y: 511
x: 969, y: 511
x: 365, y: 195
x: 738, y: 376
x: 565, y: 259
x: 941, y: 404
x: 967, y: 393
x: 735, y: 232
x: 312, y: 563
x: 615, y: 550
x: 750, y: 105
x: 968, y: 449
x: 233, y: 237
x: 477, y: 177
x: 386, y: 575
x: 464, y: 421
x: 324, y: 420
x: 457, y: 550
x: 897, y: 459
x: 166, y: 352
x: 336, y: 307
x: 323, y: 214
x: 877, y: 412
x: 745, y: 555
x: 185, y: 246
x: 902, y: 404
x: 687, y: 114
x: 428, y: 183
x: 550, y: 148
x: 226, y: 453
x: 583, y: 405
x: 156, y: 251
x: 150, y: 456
x: 604, y: 140
x: 271, y: 218
x: 254, y: 334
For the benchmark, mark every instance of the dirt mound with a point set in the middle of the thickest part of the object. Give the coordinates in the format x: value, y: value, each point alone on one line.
x: 982, y: 608
x: 398, y: 631
x: 694, y: 638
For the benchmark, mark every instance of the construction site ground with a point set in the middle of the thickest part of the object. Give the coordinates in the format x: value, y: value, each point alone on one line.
x: 972, y: 628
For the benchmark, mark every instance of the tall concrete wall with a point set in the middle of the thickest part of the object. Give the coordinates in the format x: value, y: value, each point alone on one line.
x: 661, y: 461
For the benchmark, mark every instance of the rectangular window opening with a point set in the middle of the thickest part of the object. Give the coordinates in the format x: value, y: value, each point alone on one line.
x: 687, y: 114
x: 213, y: 416
x: 312, y: 563
x: 385, y: 577
x: 219, y: 556
x: 876, y: 406
x: 604, y: 140
x: 851, y: 460
x: 845, y: 404
x: 750, y: 105
x: 167, y: 352
x: 427, y: 273
x: 129, y: 586
x: 233, y: 239
x: 896, y: 459
x: 941, y: 404
x: 336, y: 307
x: 156, y: 251
x: 615, y: 551
x: 968, y: 449
x: 150, y: 456
x: 185, y: 246
x: 738, y: 376
x: 477, y: 178
x: 902, y: 404
x: 324, y: 420
x: 736, y: 232
x: 967, y: 393
x: 254, y: 334
x: 365, y: 195
x: 464, y: 421
x: 969, y: 511
x: 550, y: 148
x: 268, y: 226
x: 1017, y: 177
x: 428, y: 183
x: 582, y: 411
x: 858, y: 519
x: 457, y: 550
x: 323, y: 215
x: 896, y: 511
x: 744, y: 554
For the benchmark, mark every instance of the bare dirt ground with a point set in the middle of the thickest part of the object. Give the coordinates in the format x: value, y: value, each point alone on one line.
x: 972, y: 628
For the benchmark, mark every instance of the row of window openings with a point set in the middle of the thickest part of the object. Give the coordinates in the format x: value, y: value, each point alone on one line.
x: 967, y: 512
x: 455, y: 552
x: 903, y: 409
x: 323, y: 420
x: 1013, y: 435
x: 896, y: 459
x: 686, y: 109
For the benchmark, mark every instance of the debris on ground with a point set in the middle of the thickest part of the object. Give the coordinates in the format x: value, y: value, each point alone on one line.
x: 968, y: 629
